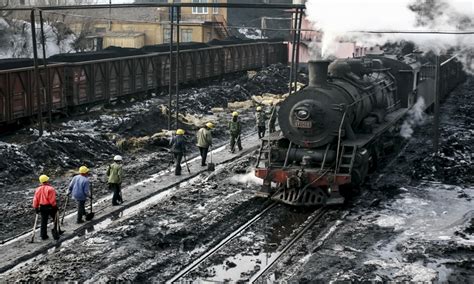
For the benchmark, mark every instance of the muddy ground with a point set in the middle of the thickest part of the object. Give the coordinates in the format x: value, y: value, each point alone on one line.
x: 413, y: 222
x: 130, y: 127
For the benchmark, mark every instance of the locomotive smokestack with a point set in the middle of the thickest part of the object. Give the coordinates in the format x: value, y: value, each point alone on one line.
x: 318, y: 72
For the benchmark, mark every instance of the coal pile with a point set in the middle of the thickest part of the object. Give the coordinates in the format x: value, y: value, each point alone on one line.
x: 273, y: 79
x: 53, y: 153
x: 454, y: 163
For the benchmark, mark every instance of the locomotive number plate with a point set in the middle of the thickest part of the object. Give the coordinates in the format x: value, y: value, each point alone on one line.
x: 303, y: 124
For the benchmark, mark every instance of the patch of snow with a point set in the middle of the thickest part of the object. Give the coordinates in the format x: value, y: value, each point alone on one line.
x: 418, y: 273
x: 390, y: 221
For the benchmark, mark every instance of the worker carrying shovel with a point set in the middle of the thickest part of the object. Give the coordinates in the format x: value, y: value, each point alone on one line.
x: 235, y: 130
x: 44, y: 203
x: 178, y: 149
x: 79, y: 188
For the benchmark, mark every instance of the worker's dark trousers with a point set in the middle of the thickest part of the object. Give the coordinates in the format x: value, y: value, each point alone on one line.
x: 233, y: 139
x: 117, y: 194
x: 261, y: 131
x: 203, y: 151
x: 178, y: 157
x: 81, y: 209
x: 46, y: 211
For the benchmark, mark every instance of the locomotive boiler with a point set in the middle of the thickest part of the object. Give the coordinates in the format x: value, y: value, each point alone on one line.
x: 333, y: 131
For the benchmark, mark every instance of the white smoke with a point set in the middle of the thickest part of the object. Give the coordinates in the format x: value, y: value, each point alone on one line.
x: 339, y: 19
x: 248, y: 178
x: 416, y: 116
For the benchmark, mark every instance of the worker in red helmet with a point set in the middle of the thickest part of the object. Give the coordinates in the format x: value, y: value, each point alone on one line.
x: 44, y: 203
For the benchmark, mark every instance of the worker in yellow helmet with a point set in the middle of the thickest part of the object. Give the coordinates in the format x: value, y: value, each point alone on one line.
x: 44, y: 203
x: 204, y: 141
x: 79, y: 188
x: 260, y: 119
x: 178, y: 148
x: 235, y: 130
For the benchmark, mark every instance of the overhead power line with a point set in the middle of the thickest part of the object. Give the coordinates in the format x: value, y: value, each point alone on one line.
x: 416, y: 32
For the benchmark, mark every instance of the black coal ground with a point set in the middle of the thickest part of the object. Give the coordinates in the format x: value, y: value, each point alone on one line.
x: 94, y: 137
x: 415, y: 220
x: 379, y: 240
x: 154, y: 244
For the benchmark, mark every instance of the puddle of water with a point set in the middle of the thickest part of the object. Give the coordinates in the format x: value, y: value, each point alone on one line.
x: 246, y: 266
x: 433, y: 212
x: 251, y: 250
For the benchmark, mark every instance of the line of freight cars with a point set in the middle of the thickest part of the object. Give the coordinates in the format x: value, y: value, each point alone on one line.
x: 81, y: 79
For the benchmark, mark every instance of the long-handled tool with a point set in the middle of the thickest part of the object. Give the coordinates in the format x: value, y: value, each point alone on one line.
x: 64, y: 208
x: 90, y: 215
x: 186, y: 162
x: 211, y: 166
x: 34, y: 229
x: 56, y: 230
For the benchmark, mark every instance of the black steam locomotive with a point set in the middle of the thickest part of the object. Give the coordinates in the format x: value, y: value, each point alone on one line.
x: 334, y: 130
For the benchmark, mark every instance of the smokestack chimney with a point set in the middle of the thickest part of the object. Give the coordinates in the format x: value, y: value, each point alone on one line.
x: 318, y: 72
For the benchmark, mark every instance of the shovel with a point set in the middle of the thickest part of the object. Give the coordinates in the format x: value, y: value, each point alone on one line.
x: 186, y: 161
x: 34, y: 229
x: 64, y: 209
x: 211, y: 166
x: 90, y: 215
x: 56, y: 230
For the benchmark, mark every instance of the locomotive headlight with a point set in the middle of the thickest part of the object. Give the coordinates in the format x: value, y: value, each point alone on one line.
x: 302, y: 113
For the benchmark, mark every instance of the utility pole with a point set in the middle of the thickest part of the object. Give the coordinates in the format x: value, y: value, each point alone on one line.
x: 436, y: 107
x: 36, y: 72
x: 47, y: 90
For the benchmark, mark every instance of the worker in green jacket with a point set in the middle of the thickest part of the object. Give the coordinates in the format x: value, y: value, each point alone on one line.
x: 204, y: 141
x: 235, y: 130
x: 260, y: 119
x: 115, y: 174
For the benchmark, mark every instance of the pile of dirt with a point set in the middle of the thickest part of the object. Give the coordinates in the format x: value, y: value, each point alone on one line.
x: 273, y: 79
x: 454, y: 163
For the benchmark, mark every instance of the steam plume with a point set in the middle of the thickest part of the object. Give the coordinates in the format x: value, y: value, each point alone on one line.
x: 338, y: 19
x: 416, y: 116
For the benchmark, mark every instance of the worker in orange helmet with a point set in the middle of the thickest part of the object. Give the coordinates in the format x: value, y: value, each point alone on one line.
x: 44, y: 203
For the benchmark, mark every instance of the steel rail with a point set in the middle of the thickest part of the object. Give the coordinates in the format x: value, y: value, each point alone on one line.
x: 158, y: 5
x: 222, y: 243
x: 316, y: 216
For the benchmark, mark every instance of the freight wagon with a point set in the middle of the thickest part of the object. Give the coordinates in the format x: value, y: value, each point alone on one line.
x: 77, y: 80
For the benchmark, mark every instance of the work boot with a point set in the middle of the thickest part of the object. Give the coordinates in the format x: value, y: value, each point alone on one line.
x: 44, y: 237
x: 80, y: 221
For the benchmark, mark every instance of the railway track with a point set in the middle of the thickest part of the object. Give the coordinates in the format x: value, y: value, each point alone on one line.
x: 308, y: 223
x: 18, y: 250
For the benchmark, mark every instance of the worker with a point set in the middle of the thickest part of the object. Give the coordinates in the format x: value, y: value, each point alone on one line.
x: 204, y: 141
x: 79, y: 188
x: 272, y: 120
x: 178, y: 149
x: 44, y: 203
x: 235, y: 129
x: 260, y: 121
x: 114, y: 175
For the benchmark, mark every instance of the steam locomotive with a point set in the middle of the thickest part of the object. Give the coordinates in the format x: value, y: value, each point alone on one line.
x: 334, y: 130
